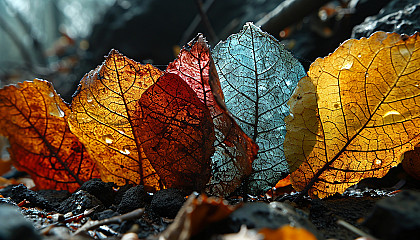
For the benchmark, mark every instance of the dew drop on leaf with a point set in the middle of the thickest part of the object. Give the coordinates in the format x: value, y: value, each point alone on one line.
x: 347, y: 64
x: 108, y: 138
x: 125, y: 151
x: 56, y: 111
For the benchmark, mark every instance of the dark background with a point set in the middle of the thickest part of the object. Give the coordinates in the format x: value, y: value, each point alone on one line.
x: 60, y: 40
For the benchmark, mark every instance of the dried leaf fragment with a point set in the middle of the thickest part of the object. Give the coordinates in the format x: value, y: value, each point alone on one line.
x: 102, y: 118
x: 258, y: 76
x: 234, y: 150
x: 367, y: 113
x: 197, y: 213
x: 411, y: 162
x: 176, y: 133
x: 32, y: 116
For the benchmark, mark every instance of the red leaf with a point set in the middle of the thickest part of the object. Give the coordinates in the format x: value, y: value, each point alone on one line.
x: 176, y: 132
x: 234, y: 150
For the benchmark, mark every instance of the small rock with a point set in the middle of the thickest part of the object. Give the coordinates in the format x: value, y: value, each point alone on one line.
x: 105, y: 214
x: 54, y: 197
x: 102, y: 190
x: 14, y: 226
x: 79, y: 202
x: 20, y: 193
x: 400, y: 16
x: 7, y: 201
x: 121, y: 191
x: 167, y: 202
x: 396, y: 217
x: 259, y: 215
x: 132, y: 199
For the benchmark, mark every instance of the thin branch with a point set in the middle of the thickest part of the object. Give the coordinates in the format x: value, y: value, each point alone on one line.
x: 36, y: 43
x: 212, y: 34
x: 194, y: 24
x: 287, y: 13
x: 355, y: 230
x: 117, y: 219
x: 19, y: 44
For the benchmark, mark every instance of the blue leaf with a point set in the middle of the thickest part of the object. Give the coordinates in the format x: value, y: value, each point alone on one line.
x: 258, y: 77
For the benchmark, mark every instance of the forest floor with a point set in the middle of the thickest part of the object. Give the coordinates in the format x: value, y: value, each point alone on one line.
x: 132, y: 212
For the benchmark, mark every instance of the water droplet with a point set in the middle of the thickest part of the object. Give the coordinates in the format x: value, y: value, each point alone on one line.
x: 89, y: 98
x: 56, y: 111
x: 122, y: 132
x: 51, y: 94
x: 392, y: 117
x: 125, y: 151
x: 378, y: 162
x: 108, y: 138
x: 392, y: 112
x: 366, y: 75
x: 359, y: 56
x: 348, y: 63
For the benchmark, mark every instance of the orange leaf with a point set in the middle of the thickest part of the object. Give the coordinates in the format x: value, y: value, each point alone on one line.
x: 287, y: 233
x: 176, y: 132
x: 102, y: 118
x: 283, y: 182
x: 356, y: 114
x: 234, y: 150
x: 32, y: 116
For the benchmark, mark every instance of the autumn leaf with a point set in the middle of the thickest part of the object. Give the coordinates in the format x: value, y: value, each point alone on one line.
x: 197, y: 213
x: 283, y: 182
x: 234, y: 150
x: 102, y: 118
x: 358, y: 113
x: 32, y: 116
x: 176, y: 132
x: 258, y: 77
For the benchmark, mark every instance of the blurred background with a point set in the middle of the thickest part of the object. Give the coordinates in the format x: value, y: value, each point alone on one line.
x: 61, y: 40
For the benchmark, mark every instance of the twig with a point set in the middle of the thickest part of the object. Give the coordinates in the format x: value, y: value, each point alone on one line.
x: 19, y: 44
x: 205, y: 20
x: 194, y: 23
x: 355, y: 230
x: 117, y: 219
x: 287, y: 13
x: 36, y: 43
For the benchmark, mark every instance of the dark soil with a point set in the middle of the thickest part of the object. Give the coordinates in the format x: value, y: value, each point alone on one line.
x: 96, y: 200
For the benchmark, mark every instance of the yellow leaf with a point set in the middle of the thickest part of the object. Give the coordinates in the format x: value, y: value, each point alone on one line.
x: 366, y: 95
x: 102, y: 118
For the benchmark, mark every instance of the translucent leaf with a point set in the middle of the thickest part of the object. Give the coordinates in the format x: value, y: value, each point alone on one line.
x: 32, y: 116
x: 176, y: 132
x: 356, y: 114
x: 102, y: 118
x: 234, y: 150
x: 258, y: 76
